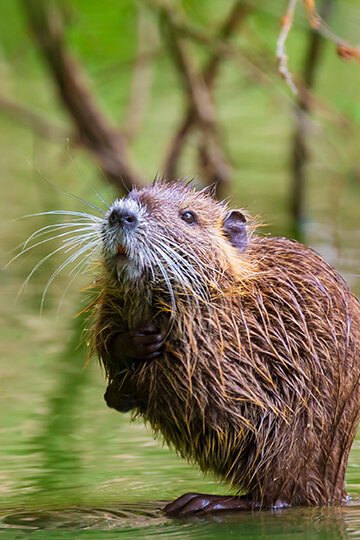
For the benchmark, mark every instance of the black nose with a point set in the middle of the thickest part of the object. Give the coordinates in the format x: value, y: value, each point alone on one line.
x: 124, y: 218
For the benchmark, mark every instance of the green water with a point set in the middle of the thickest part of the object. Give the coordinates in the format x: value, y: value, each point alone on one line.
x: 147, y: 521
x: 69, y: 466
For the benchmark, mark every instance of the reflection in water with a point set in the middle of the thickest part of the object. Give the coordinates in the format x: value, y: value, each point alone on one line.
x: 128, y: 516
x: 57, y: 443
x: 148, y: 521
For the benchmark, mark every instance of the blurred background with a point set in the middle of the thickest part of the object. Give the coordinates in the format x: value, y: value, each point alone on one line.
x: 95, y: 96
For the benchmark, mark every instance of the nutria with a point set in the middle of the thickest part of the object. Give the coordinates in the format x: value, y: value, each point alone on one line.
x: 242, y: 351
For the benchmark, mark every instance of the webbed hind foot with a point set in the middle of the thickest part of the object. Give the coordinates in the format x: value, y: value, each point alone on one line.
x: 200, y: 503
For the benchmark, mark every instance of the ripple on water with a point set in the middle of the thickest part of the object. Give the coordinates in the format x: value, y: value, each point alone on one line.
x: 147, y: 521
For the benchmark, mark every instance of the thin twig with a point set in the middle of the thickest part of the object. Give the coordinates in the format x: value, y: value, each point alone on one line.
x: 343, y: 48
x: 317, y: 22
x: 281, y: 55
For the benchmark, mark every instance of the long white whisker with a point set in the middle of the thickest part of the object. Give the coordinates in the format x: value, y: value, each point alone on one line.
x: 25, y: 250
x: 68, y: 261
x: 79, y: 240
x: 169, y: 286
x: 188, y: 270
x: 168, y: 242
x: 61, y: 248
x: 184, y: 283
x: 66, y: 213
x: 188, y: 255
x: 76, y: 232
x: 44, y: 259
x: 84, y: 264
x: 94, y: 246
x: 50, y: 228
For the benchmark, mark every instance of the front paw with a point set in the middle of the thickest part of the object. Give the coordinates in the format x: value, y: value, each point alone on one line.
x: 118, y: 398
x: 142, y: 344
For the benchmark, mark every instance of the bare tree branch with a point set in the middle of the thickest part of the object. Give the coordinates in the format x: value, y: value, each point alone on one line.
x: 142, y: 75
x: 110, y: 145
x: 236, y: 15
x: 300, y: 150
x: 194, y: 84
x: 214, y: 166
x: 200, y: 100
x: 106, y: 143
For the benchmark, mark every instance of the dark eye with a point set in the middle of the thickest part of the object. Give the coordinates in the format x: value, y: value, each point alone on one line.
x: 189, y: 217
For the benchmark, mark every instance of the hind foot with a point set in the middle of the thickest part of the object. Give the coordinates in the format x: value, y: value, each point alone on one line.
x: 199, y: 504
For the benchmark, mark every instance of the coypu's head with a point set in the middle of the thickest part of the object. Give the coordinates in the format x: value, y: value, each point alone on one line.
x: 171, y: 233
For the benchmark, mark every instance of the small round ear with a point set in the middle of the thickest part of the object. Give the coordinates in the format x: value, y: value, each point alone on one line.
x: 235, y: 229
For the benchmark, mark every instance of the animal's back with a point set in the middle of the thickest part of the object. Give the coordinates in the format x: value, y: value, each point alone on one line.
x: 265, y: 391
x: 305, y: 328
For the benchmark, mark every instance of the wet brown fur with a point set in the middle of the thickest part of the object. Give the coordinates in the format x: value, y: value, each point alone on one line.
x: 259, y: 385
